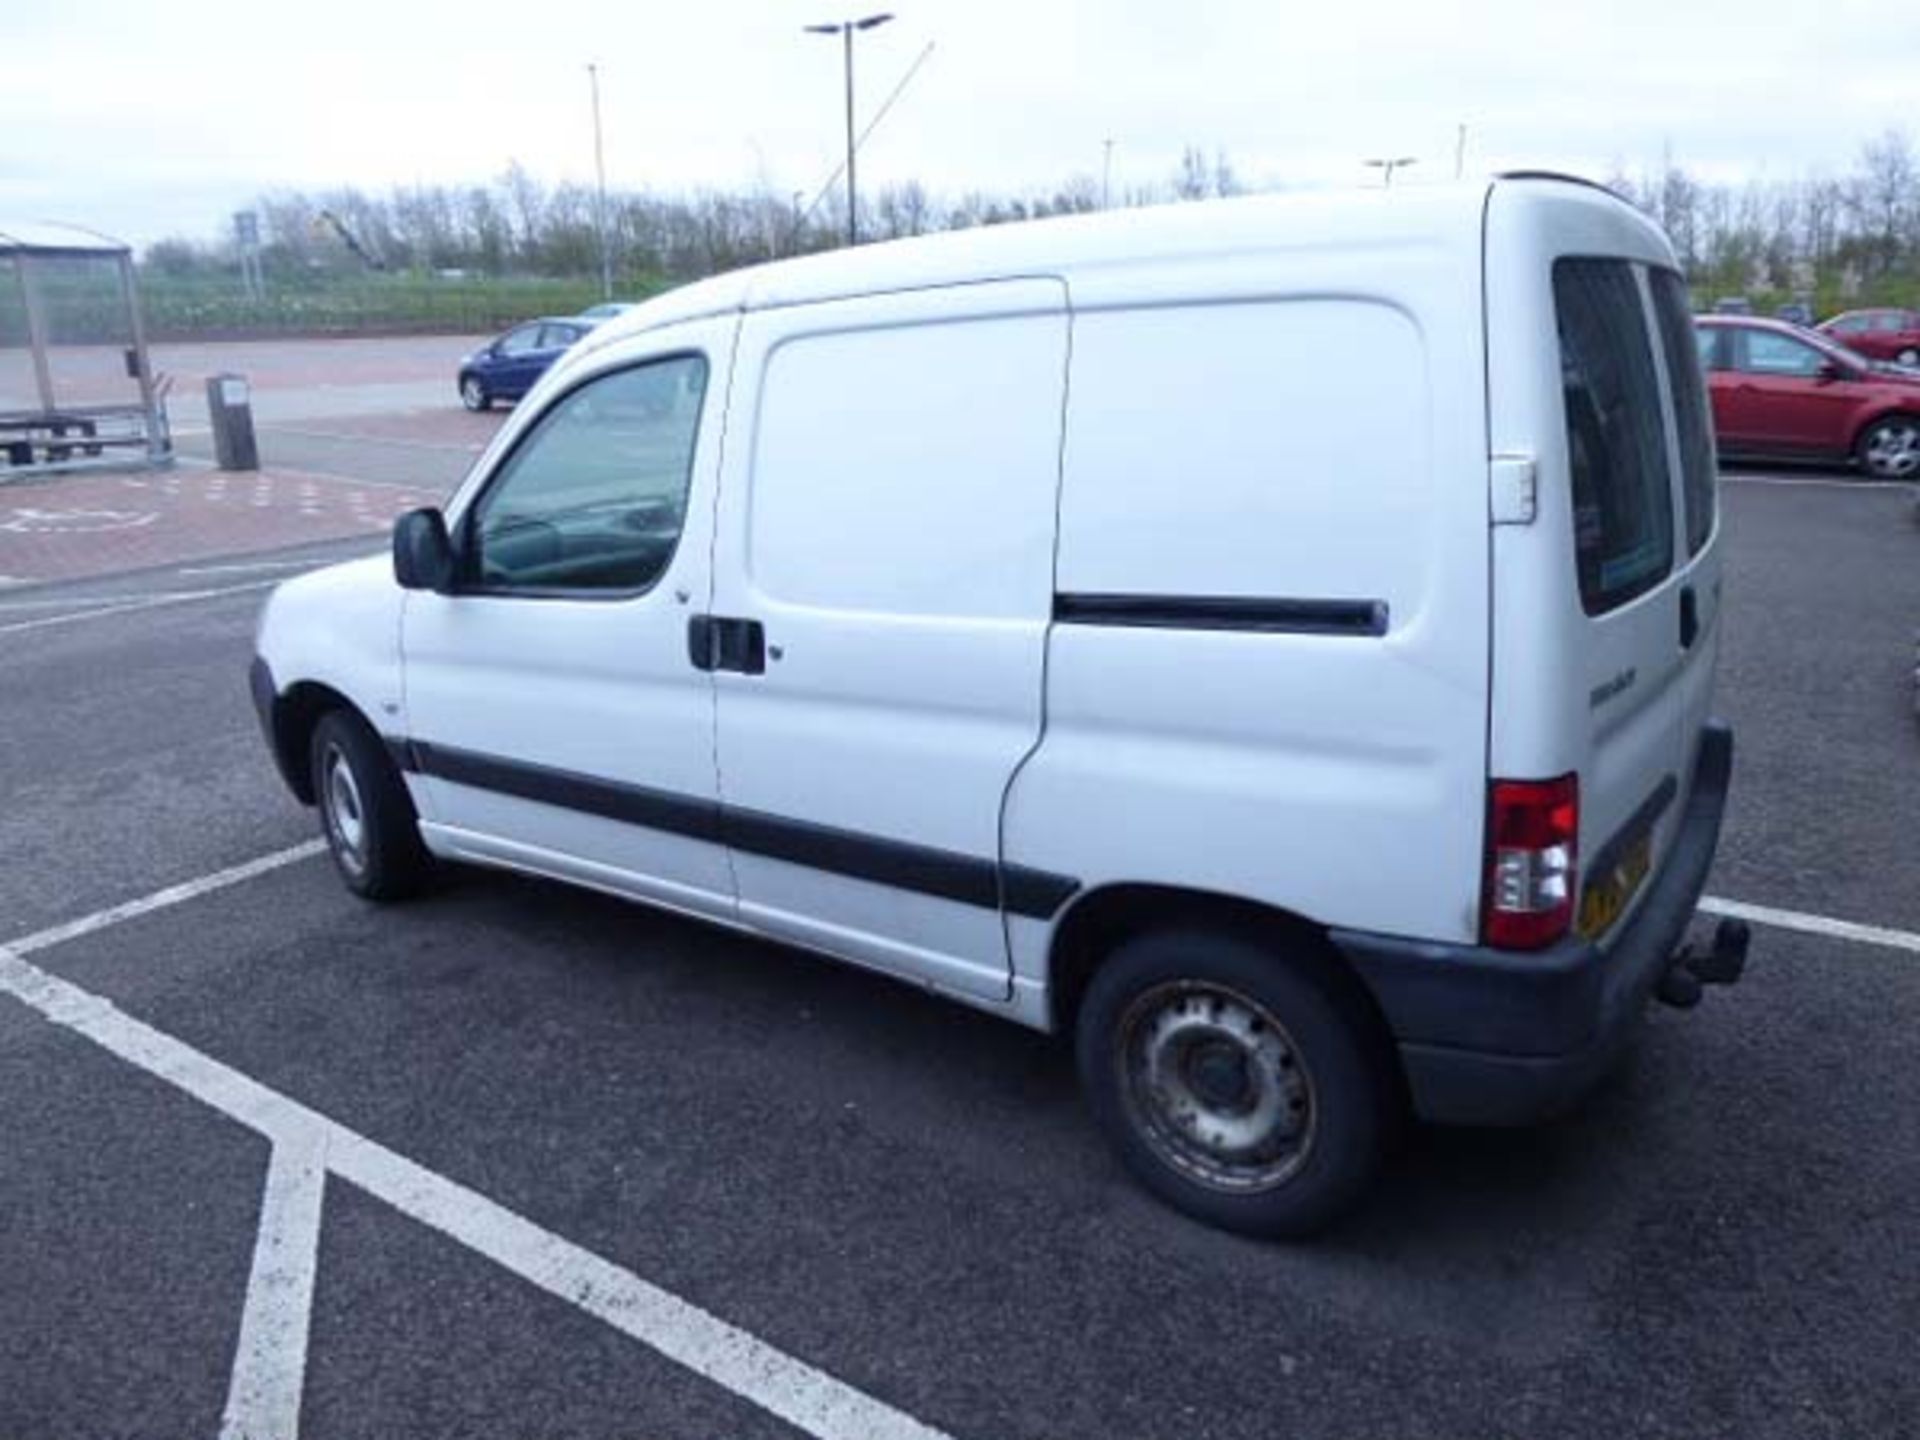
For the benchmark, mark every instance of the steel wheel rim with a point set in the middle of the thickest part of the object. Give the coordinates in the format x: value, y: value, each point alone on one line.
x: 1216, y: 1086
x: 346, y: 814
x: 1893, y: 451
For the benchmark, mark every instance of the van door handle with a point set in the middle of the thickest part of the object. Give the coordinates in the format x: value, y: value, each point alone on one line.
x: 1689, y: 618
x: 743, y: 647
x: 701, y: 637
x: 717, y: 642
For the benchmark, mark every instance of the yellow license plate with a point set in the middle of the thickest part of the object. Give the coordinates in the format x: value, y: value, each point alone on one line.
x: 1607, y: 895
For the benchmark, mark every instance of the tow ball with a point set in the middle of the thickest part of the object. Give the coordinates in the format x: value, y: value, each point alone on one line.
x: 1721, y: 963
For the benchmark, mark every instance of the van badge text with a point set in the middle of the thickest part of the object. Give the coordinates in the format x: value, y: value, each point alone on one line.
x: 1618, y: 685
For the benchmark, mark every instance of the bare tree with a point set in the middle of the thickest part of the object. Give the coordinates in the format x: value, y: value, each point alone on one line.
x: 903, y: 210
x: 1225, y: 181
x: 1884, y: 196
x: 527, y: 203
x: 1834, y: 237
x: 1191, y: 180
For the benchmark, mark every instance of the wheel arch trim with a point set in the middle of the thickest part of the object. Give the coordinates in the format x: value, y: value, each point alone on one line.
x: 1100, y: 917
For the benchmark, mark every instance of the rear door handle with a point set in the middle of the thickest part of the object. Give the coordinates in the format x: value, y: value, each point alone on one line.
x: 718, y: 642
x: 1689, y: 618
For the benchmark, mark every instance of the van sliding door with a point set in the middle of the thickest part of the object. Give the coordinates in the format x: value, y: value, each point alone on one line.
x: 884, y: 582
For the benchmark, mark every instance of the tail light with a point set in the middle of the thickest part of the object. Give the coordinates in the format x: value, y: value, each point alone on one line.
x: 1533, y: 837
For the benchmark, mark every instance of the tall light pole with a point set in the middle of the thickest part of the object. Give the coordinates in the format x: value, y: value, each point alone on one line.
x: 845, y: 29
x: 1106, y: 173
x: 600, y: 175
x: 1397, y: 162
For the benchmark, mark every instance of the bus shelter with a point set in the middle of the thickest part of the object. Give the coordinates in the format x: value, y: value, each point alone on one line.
x: 77, y: 388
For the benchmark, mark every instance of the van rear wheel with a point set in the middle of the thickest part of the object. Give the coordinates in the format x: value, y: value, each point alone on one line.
x: 1235, y: 1082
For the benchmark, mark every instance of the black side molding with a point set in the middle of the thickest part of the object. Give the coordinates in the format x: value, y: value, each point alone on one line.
x: 1269, y: 616
x: 566, y: 789
x: 968, y: 879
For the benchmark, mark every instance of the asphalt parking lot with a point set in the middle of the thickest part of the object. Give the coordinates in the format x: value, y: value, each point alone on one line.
x: 547, y: 1165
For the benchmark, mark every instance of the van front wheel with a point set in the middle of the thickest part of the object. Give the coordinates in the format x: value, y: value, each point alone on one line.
x: 1238, y: 1086
x: 365, y: 813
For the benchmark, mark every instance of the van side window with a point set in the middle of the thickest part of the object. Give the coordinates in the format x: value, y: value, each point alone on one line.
x: 1616, y: 440
x: 1677, y: 339
x: 592, y: 499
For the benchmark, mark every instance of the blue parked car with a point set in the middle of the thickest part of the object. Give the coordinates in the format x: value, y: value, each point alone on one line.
x: 506, y: 369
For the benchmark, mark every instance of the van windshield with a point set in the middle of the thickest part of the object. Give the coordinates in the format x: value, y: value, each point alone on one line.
x: 1616, y: 440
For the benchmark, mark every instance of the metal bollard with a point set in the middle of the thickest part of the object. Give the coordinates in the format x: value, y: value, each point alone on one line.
x: 230, y: 411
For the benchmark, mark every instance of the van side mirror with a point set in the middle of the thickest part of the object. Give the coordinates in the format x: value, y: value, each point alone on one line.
x: 422, y: 553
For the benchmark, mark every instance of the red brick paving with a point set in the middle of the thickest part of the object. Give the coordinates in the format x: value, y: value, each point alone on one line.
x: 80, y: 526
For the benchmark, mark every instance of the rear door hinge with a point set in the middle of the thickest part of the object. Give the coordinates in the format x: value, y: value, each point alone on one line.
x: 1515, y: 489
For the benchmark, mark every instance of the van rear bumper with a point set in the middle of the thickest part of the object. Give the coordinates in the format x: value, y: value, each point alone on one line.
x: 1495, y: 1037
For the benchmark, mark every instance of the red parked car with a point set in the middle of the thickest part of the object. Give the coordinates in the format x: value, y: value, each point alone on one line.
x: 1878, y: 334
x: 1783, y: 393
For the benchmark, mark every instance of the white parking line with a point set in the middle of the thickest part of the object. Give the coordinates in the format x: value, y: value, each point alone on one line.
x: 270, y: 1359
x: 807, y: 1398
x: 83, y: 602
x: 1811, y: 924
x: 146, y: 602
x: 253, y: 566
x: 164, y: 899
x: 69, y: 602
x: 270, y: 1362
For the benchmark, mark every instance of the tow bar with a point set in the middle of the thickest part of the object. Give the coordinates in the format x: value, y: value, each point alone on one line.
x: 1721, y: 963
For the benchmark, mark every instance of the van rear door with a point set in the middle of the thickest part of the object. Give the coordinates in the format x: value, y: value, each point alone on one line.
x: 1602, y: 602
x: 1698, y: 525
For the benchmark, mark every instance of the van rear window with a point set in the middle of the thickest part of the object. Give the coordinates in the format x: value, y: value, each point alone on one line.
x: 1616, y: 437
x: 1690, y: 413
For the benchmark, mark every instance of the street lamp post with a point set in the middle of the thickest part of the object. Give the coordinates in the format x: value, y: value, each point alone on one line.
x: 1397, y: 162
x: 600, y: 197
x: 845, y: 29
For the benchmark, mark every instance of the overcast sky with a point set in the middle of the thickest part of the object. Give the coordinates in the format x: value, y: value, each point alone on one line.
x: 147, y: 119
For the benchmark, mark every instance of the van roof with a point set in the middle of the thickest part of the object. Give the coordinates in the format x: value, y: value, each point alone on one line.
x: 1069, y: 245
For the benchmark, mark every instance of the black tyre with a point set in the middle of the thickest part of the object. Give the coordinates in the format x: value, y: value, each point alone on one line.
x: 365, y: 812
x: 1242, y: 1086
x: 1889, y: 449
x: 473, y: 393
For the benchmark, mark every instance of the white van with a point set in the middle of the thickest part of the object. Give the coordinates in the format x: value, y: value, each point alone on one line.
x: 1270, y: 640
